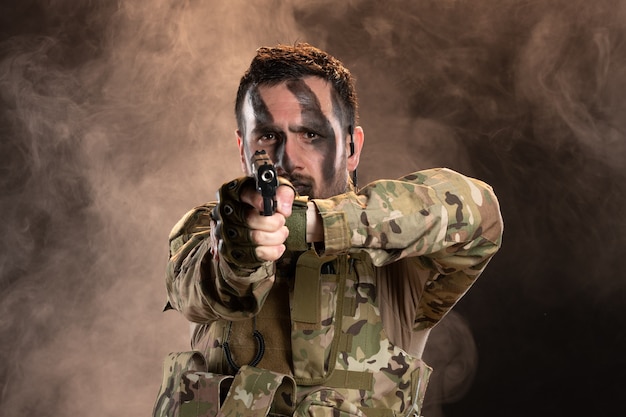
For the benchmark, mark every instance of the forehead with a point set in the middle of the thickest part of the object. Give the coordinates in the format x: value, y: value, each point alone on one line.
x: 293, y: 96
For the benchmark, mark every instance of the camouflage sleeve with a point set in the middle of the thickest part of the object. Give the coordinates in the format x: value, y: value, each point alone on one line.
x: 453, y: 222
x: 202, y: 289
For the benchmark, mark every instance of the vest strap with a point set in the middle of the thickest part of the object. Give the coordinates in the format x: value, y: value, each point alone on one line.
x: 351, y: 380
x: 296, y: 223
x: 378, y: 412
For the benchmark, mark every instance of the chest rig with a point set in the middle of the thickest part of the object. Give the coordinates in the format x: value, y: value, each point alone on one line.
x: 336, y: 335
x: 354, y: 354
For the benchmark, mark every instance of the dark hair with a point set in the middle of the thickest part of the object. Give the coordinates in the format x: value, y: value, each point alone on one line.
x: 273, y: 65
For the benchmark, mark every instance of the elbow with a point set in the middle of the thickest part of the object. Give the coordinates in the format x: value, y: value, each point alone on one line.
x: 492, y: 223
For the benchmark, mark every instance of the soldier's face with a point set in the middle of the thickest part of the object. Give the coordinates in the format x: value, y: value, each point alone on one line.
x: 298, y: 124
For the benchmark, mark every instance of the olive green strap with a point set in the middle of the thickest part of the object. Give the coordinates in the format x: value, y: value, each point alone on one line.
x: 378, y: 412
x: 296, y: 223
x: 351, y: 379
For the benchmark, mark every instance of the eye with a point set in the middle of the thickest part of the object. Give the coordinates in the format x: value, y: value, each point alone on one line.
x: 268, y: 137
x: 311, y: 136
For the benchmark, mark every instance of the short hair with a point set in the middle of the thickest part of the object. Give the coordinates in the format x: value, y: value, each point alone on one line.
x: 273, y: 65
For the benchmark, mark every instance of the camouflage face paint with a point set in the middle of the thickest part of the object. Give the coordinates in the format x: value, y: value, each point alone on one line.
x: 264, y: 121
x: 262, y: 115
x: 261, y: 112
x: 306, y: 114
x: 313, y: 118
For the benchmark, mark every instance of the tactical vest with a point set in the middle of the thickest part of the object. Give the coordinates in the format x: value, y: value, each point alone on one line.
x: 341, y: 358
x: 338, y: 339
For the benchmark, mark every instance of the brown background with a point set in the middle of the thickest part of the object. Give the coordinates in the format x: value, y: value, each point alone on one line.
x: 116, y: 117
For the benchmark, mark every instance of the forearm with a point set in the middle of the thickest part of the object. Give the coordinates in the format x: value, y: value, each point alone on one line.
x: 440, y: 214
x: 203, y: 288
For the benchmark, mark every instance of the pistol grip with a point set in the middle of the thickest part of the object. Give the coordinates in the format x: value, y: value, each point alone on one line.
x: 268, y: 206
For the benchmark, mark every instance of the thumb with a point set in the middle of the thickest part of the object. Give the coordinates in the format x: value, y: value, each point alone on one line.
x: 284, y: 200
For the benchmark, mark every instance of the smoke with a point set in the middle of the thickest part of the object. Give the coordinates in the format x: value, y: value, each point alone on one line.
x: 116, y: 118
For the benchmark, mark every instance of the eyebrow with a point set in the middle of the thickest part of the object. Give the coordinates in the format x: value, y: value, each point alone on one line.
x: 308, y: 124
x: 261, y: 127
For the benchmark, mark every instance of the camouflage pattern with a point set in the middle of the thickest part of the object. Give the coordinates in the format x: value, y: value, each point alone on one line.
x: 450, y: 222
x: 326, y: 402
x: 258, y: 393
x: 188, y: 391
x: 251, y: 393
x: 347, y: 348
x: 415, y: 244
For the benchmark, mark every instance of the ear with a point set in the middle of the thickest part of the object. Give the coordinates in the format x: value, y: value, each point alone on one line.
x: 242, y: 152
x: 358, y: 137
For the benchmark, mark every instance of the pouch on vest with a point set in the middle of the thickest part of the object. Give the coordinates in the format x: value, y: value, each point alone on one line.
x: 326, y: 402
x: 258, y: 392
x: 315, y: 324
x: 188, y: 390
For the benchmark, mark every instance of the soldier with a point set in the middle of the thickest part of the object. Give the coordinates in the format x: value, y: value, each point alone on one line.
x: 323, y: 305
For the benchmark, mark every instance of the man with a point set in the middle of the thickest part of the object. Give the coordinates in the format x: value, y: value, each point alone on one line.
x: 337, y: 290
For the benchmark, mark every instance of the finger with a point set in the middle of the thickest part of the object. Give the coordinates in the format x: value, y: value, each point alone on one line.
x: 284, y: 200
x: 263, y: 238
x: 252, y: 197
x: 270, y: 253
x: 256, y: 221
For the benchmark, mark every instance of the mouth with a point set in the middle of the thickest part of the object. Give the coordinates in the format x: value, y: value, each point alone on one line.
x: 303, y: 189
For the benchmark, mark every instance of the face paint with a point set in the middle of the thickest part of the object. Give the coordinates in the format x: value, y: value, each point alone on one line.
x: 261, y: 112
x: 313, y: 117
x: 262, y: 115
x: 296, y: 123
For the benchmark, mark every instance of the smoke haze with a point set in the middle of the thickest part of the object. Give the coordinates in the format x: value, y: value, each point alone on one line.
x: 116, y: 118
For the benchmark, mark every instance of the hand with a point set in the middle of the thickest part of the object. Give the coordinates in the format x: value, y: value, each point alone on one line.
x: 242, y: 235
x: 268, y: 233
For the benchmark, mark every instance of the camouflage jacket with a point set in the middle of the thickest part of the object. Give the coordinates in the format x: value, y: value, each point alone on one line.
x: 396, y: 257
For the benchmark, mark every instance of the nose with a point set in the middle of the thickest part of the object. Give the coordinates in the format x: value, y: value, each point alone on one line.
x: 287, y: 156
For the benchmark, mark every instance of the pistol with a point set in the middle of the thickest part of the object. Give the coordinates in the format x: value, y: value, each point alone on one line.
x: 266, y: 180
